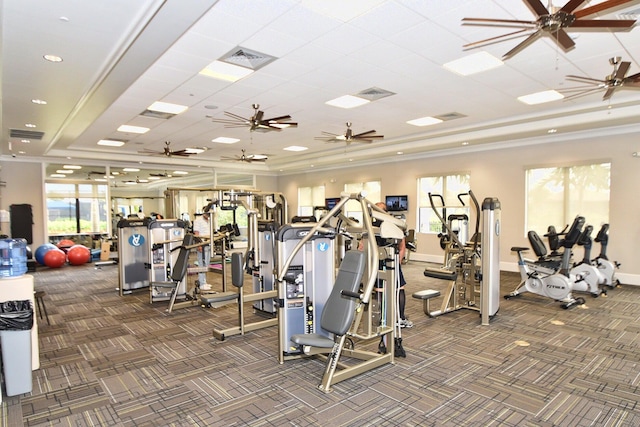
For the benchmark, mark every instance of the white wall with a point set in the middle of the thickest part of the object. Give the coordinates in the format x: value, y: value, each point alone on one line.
x: 501, y: 174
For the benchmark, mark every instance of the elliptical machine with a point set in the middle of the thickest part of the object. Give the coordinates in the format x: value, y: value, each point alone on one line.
x: 548, y: 282
x: 606, y: 267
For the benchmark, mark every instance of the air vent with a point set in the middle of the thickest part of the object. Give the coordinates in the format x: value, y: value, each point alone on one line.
x: 450, y: 116
x: 629, y: 14
x: 157, y: 114
x: 374, y: 93
x: 247, y: 58
x: 25, y: 134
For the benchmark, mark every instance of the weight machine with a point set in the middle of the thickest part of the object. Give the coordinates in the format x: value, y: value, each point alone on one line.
x: 347, y: 316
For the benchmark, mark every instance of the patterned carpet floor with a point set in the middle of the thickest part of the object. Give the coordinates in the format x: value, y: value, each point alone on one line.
x: 111, y: 360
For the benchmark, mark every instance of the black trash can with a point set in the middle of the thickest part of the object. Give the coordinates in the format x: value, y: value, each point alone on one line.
x: 16, y: 321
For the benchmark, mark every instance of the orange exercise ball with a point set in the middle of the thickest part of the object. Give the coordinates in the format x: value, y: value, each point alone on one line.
x: 55, y: 258
x: 65, y: 244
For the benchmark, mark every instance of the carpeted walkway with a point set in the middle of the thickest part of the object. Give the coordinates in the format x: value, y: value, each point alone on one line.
x: 108, y: 360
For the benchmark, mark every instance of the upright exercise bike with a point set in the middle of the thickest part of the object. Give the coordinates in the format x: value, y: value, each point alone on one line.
x: 606, y: 267
x: 548, y: 282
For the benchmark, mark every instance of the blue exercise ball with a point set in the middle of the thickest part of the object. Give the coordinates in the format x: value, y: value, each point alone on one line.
x: 42, y: 250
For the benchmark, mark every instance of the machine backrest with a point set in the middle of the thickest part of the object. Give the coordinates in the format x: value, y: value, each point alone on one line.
x: 553, y: 238
x: 537, y: 244
x: 339, y: 310
x: 182, y: 262
x: 237, y: 270
x: 573, y: 234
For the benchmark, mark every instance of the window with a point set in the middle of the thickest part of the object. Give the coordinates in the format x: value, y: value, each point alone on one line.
x: 373, y: 194
x: 308, y: 198
x: 76, y: 208
x: 556, y: 195
x: 447, y: 186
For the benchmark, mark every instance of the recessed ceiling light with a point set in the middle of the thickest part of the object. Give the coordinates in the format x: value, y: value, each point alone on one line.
x: 64, y: 171
x: 72, y: 166
x: 39, y: 101
x: 195, y: 150
x: 133, y: 129
x: 129, y: 170
x: 295, y: 148
x: 111, y: 143
x: 347, y: 101
x: 552, y: 131
x: 465, y: 143
x: 57, y: 175
x: 399, y: 152
x: 224, y: 71
x: 225, y: 140
x: 166, y: 107
x: 472, y: 64
x: 29, y: 125
x: 52, y: 58
x: 180, y: 173
x: 26, y: 141
x: 541, y: 97
x: 424, y: 121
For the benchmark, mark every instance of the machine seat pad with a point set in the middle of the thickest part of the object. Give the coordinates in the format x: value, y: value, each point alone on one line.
x: 519, y: 249
x: 438, y: 273
x: 219, y: 297
x: 426, y: 294
x: 313, y: 340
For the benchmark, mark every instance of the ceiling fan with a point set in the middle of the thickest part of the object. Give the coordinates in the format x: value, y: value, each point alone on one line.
x: 167, y: 151
x: 257, y: 122
x: 552, y: 22
x: 615, y: 80
x: 249, y: 158
x: 349, y: 136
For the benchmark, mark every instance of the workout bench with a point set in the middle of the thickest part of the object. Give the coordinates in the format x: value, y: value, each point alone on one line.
x: 426, y: 296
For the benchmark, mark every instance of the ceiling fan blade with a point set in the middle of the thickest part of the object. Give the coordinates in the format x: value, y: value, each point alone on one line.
x: 486, y: 41
x: 329, y: 133
x: 631, y: 83
x: 608, y: 93
x: 599, y: 7
x: 522, y: 44
x: 364, y: 133
x: 537, y: 7
x: 584, y: 79
x: 571, y: 5
x: 278, y: 119
x: 231, y: 121
x: 633, y: 77
x: 258, y: 117
x: 581, y: 94
x: 603, y: 23
x: 563, y: 39
x: 183, y: 153
x: 622, y: 70
x: 491, y: 21
x: 579, y: 88
x: 236, y: 117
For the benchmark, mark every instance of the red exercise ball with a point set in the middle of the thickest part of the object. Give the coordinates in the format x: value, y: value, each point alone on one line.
x: 55, y: 258
x: 78, y: 255
x: 65, y: 243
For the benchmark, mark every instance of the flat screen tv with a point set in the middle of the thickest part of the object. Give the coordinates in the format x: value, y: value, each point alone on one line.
x: 331, y: 202
x: 397, y: 203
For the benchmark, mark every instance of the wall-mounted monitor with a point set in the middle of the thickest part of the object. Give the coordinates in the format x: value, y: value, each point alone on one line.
x: 331, y: 202
x: 397, y: 203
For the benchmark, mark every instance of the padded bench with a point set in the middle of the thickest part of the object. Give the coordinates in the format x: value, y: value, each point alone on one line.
x: 442, y: 274
x: 426, y: 296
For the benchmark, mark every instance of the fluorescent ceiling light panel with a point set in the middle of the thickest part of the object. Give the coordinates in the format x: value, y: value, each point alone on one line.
x: 64, y: 171
x: 541, y: 97
x: 195, y: 150
x: 133, y: 129
x: 295, y: 148
x: 130, y: 170
x: 225, y: 140
x: 130, y: 183
x: 58, y: 175
x: 72, y: 167
x: 166, y: 107
x: 100, y: 179
x: 110, y: 143
x: 473, y: 64
x: 347, y: 101
x: 223, y: 71
x: 180, y: 173
x: 154, y: 178
x: 424, y: 121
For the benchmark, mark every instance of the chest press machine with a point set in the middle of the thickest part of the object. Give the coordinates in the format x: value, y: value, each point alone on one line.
x: 343, y: 325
